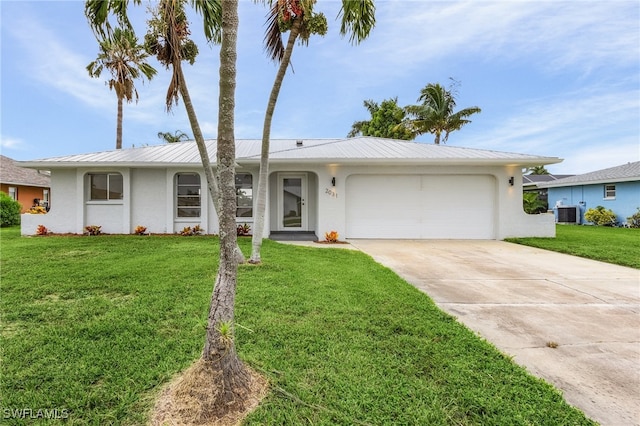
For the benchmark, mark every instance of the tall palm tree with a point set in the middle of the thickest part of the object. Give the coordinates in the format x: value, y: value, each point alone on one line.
x: 124, y: 58
x: 174, y: 137
x: 168, y: 39
x: 299, y: 18
x: 436, y: 113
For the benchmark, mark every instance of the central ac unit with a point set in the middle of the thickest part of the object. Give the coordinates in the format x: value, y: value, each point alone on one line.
x: 568, y: 214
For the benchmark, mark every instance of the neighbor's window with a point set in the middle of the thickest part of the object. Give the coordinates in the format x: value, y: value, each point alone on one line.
x: 105, y: 186
x: 609, y: 191
x: 244, y: 194
x: 188, y: 195
x: 13, y: 192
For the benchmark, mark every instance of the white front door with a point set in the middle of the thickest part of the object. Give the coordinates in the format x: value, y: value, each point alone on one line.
x: 292, y: 202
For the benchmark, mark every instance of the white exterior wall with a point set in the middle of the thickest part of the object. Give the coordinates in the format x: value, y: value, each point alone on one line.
x: 149, y: 200
x: 63, y: 216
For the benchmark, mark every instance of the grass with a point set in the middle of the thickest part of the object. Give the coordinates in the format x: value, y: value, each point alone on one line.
x: 620, y: 246
x: 95, y: 326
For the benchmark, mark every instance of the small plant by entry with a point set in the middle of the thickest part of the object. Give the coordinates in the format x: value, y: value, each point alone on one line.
x: 331, y: 237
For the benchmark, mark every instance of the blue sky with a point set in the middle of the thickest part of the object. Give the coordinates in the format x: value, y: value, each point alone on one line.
x: 558, y: 78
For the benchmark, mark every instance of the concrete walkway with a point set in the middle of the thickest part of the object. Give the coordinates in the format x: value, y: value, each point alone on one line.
x: 525, y: 301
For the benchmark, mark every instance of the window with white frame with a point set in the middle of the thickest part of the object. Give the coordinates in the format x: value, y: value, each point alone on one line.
x: 609, y: 192
x: 244, y: 195
x: 105, y: 186
x: 13, y: 192
x: 188, y: 195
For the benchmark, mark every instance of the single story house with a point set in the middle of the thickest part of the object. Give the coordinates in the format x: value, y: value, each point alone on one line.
x: 615, y: 188
x: 362, y: 187
x: 27, y: 186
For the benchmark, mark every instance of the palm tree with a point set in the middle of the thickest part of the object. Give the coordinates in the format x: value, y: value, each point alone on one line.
x: 385, y: 118
x: 436, y: 113
x: 124, y: 58
x: 538, y: 170
x: 174, y: 137
x: 299, y: 18
x: 168, y: 39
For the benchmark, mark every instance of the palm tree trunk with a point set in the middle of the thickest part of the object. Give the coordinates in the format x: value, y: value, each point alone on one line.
x: 219, y: 348
x: 261, y: 202
x: 119, y: 125
x: 212, y: 181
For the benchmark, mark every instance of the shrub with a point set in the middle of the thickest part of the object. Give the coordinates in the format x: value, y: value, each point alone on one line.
x: 42, y: 230
x: 9, y: 211
x: 532, y: 204
x: 601, y: 216
x: 188, y: 231
x: 140, y: 230
x: 331, y: 237
x: 93, y: 229
x: 634, y: 219
x: 244, y: 229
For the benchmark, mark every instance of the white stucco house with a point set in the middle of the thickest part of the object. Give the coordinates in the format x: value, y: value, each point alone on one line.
x: 361, y: 187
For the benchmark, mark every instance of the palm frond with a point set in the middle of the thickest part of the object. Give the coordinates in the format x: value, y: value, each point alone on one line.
x: 211, y: 11
x: 272, y: 39
x: 358, y: 19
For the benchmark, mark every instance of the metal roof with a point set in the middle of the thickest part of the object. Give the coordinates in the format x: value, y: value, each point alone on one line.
x: 339, y: 151
x: 534, y: 180
x: 12, y: 174
x: 624, y: 173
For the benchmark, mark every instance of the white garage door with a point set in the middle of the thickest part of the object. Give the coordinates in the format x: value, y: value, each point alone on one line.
x: 421, y: 206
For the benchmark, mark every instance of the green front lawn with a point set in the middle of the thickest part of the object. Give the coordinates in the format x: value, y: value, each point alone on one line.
x: 620, y: 246
x: 94, y: 326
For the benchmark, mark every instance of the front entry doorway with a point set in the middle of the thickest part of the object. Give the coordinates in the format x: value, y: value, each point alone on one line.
x: 292, y: 202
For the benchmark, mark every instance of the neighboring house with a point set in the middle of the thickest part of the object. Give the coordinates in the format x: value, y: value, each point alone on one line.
x: 530, y: 184
x: 615, y: 188
x: 26, y: 186
x: 361, y: 187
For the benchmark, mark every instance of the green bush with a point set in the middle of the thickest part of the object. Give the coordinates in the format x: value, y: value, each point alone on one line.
x: 601, y: 216
x: 532, y: 204
x: 634, y: 219
x: 9, y: 211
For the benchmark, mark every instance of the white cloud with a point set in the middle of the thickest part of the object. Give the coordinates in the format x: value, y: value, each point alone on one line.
x: 7, y: 142
x: 584, y: 34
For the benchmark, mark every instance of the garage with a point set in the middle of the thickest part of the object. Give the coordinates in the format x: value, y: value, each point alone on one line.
x: 421, y: 206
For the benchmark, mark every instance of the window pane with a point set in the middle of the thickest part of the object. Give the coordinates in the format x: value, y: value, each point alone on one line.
x: 188, y: 195
x: 189, y: 179
x: 115, y: 186
x: 189, y: 201
x: 244, y: 195
x: 99, y: 187
x: 609, y: 191
x: 187, y: 212
x: 188, y: 190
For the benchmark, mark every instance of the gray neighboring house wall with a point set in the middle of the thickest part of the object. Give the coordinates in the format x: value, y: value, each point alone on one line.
x: 616, y: 188
x: 361, y: 187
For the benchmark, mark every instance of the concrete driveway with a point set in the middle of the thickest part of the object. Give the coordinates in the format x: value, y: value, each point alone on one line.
x: 525, y: 300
